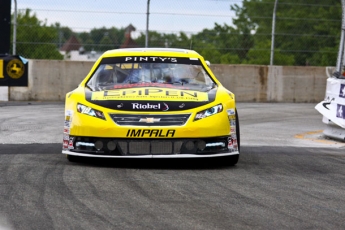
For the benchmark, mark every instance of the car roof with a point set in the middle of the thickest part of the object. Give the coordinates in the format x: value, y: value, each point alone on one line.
x: 151, y: 52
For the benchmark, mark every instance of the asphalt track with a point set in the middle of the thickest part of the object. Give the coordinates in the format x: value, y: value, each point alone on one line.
x: 289, y: 177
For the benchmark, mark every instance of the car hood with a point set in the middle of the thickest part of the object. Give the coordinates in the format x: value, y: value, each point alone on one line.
x: 148, y: 99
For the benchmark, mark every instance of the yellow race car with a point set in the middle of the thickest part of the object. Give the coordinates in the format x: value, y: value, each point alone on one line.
x: 151, y: 103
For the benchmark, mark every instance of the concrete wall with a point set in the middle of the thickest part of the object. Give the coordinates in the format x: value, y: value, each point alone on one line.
x: 254, y: 83
x: 50, y: 80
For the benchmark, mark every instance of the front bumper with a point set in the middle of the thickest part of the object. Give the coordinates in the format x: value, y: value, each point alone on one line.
x: 151, y: 148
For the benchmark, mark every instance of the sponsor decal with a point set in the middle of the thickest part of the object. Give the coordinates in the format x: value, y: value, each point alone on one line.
x: 70, y: 143
x: 232, y: 117
x: 151, y: 59
x: 230, y: 144
x: 150, y: 133
x: 327, y: 102
x: 150, y: 94
x: 146, y: 106
x: 234, y: 142
x: 65, y: 144
x: 150, y: 106
x: 120, y: 105
x: 68, y: 120
x: 181, y: 106
x: 65, y: 136
x: 342, y: 91
x: 165, y: 107
x: 67, y: 124
x: 233, y: 129
x: 341, y: 111
x: 69, y: 113
x: 230, y: 112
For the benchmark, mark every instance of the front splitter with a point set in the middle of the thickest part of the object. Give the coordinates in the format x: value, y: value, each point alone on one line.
x: 153, y: 156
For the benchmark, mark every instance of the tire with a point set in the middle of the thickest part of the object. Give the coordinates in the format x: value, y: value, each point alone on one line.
x: 238, y: 131
x: 72, y: 158
x: 233, y: 159
x: 229, y: 160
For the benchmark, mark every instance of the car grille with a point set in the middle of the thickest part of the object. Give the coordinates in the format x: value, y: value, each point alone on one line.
x: 150, y: 147
x: 150, y: 120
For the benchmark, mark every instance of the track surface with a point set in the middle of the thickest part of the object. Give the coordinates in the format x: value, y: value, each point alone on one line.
x: 289, y: 177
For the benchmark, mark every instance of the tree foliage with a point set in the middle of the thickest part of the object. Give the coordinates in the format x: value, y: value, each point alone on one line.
x: 102, y: 39
x: 307, y: 33
x: 35, y: 38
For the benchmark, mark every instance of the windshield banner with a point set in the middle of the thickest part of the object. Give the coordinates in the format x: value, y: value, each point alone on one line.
x: 149, y: 94
x: 148, y: 59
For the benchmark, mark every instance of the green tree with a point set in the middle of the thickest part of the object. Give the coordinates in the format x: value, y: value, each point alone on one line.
x: 164, y: 40
x: 117, y: 36
x: 103, y: 38
x: 210, y: 53
x: 155, y: 39
x: 35, y: 39
x: 89, y: 45
x: 230, y: 43
x: 63, y: 33
x: 106, y: 43
x: 307, y: 31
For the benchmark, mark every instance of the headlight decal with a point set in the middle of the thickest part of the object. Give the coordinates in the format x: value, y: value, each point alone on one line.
x: 208, y: 112
x: 90, y: 111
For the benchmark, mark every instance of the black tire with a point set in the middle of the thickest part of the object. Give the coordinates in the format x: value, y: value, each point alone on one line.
x: 228, y: 160
x: 238, y: 130
x: 233, y: 159
x: 72, y: 158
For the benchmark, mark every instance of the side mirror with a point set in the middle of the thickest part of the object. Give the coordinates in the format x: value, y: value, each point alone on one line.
x: 208, y: 63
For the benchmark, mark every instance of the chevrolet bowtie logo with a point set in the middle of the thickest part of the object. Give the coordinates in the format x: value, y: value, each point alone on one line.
x: 149, y: 120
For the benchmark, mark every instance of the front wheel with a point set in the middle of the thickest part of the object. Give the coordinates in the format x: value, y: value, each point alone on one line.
x: 72, y: 158
x: 233, y: 159
x: 229, y: 160
x: 237, y: 130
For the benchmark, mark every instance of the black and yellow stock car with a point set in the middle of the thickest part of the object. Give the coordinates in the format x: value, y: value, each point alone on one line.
x: 151, y: 103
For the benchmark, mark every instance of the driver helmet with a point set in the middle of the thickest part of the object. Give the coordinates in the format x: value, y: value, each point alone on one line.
x: 105, y: 76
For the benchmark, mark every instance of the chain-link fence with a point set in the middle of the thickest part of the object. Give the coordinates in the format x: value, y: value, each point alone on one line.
x: 307, y: 32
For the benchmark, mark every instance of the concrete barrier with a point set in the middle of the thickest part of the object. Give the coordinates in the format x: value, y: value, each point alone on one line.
x: 254, y: 83
x: 50, y: 80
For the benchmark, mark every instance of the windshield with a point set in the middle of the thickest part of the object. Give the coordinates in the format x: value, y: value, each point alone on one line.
x: 129, y: 72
